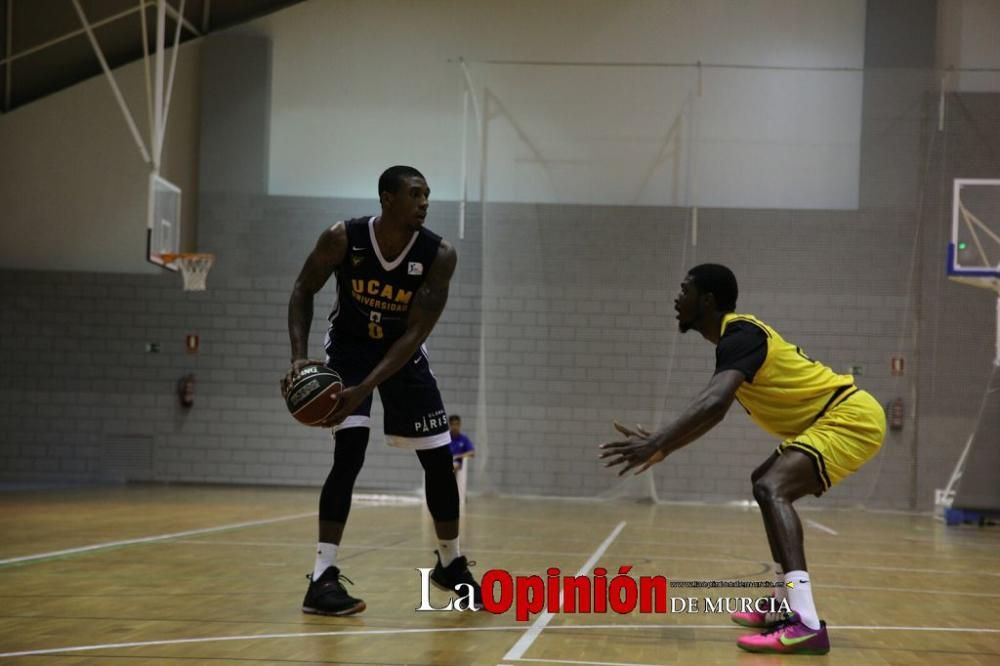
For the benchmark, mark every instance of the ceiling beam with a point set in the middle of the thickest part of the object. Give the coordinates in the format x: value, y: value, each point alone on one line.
x: 70, y: 35
x: 9, y: 57
x: 177, y: 16
x: 8, y: 48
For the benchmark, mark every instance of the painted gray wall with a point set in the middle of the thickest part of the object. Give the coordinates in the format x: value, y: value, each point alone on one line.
x: 233, y: 151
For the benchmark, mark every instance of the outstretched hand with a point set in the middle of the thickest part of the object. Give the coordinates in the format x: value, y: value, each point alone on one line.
x: 625, y: 430
x: 640, y: 448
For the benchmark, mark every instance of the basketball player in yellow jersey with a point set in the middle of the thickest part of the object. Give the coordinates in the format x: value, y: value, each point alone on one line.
x: 827, y: 426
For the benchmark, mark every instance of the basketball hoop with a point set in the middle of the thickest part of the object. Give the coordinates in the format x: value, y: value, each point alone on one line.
x: 194, y: 268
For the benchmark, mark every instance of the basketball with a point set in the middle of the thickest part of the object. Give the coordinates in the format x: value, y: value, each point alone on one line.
x: 312, y: 396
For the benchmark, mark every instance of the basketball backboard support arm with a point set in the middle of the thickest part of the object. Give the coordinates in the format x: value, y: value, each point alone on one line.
x: 469, y: 95
x: 161, y: 101
x: 983, y: 273
x: 122, y: 104
x: 944, y: 498
x: 163, y: 211
x: 170, y: 80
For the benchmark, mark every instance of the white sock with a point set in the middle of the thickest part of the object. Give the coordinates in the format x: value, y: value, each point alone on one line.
x: 800, y: 597
x: 448, y: 550
x: 326, y: 556
x: 780, y: 591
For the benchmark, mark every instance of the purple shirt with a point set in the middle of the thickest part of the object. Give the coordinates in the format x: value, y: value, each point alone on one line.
x: 460, y: 445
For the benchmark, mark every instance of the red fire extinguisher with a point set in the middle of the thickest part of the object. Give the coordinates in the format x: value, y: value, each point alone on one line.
x: 895, y: 410
x: 185, y: 390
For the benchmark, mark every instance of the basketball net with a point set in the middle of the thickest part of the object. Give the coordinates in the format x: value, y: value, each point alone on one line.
x: 194, y: 268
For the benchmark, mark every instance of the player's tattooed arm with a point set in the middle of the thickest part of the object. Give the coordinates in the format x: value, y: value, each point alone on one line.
x: 325, y: 258
x: 430, y: 299
x: 428, y: 304
x: 643, y: 449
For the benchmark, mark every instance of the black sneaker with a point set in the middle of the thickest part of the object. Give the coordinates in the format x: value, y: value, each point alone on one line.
x: 446, y: 578
x: 327, y: 595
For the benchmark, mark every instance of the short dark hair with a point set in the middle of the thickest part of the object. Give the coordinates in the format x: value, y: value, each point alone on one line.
x: 454, y: 418
x: 719, y: 281
x: 392, y: 178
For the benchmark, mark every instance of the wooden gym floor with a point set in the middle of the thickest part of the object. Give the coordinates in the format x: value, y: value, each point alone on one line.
x: 215, y: 575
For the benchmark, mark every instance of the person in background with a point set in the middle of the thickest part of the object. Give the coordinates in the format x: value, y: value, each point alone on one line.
x: 461, y: 448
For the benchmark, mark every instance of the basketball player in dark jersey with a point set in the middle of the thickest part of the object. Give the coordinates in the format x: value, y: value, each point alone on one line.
x: 392, y: 285
x: 828, y: 429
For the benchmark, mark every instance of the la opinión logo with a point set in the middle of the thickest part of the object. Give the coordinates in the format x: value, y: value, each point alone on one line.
x: 620, y: 593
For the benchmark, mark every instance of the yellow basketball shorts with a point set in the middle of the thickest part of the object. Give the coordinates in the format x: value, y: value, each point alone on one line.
x: 843, y: 439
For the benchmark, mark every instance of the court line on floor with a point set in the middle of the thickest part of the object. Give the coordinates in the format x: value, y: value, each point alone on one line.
x: 652, y: 557
x: 827, y: 586
x: 525, y: 641
x: 580, y: 663
x: 908, y: 590
x: 150, y: 539
x: 443, y: 630
x: 821, y: 527
x: 250, y: 637
x: 908, y: 552
x: 729, y: 530
x: 828, y: 547
x: 950, y: 539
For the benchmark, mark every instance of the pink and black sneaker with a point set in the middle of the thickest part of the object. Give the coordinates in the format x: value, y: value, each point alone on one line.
x: 789, y: 637
x: 756, y: 620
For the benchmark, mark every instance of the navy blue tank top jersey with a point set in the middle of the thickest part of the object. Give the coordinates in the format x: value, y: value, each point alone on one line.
x: 374, y: 295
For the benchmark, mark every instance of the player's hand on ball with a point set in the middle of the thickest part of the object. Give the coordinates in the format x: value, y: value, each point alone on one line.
x: 347, y: 401
x: 293, y: 372
x: 640, y: 450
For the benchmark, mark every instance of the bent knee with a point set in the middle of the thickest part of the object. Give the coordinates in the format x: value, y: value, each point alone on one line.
x: 763, y: 467
x: 768, y: 490
x: 762, y: 491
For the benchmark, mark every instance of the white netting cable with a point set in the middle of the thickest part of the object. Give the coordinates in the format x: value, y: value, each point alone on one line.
x: 909, y: 328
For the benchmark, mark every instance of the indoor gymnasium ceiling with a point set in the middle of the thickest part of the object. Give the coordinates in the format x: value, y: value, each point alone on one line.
x: 43, y: 47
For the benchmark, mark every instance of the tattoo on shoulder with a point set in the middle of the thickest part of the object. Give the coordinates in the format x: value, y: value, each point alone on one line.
x: 432, y: 297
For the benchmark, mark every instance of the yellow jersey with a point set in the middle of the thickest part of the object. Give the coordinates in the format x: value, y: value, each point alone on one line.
x: 785, y: 391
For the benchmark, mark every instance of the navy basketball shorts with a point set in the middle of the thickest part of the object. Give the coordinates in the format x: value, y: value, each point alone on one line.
x: 415, y: 417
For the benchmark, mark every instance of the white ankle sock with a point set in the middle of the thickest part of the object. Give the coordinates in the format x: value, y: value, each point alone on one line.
x: 448, y: 550
x: 780, y: 591
x: 326, y: 556
x: 800, y: 597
